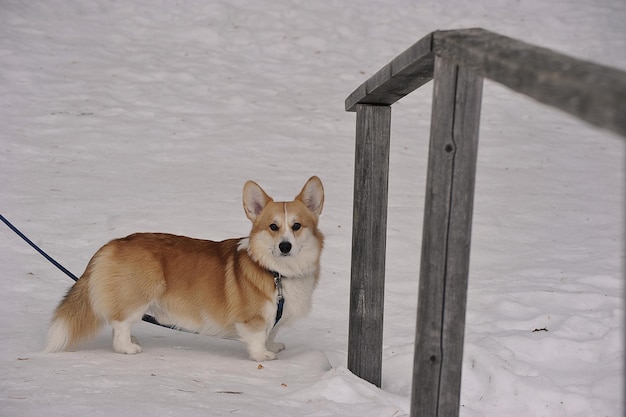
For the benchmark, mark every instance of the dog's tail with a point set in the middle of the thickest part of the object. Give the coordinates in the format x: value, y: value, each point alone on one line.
x: 74, y: 319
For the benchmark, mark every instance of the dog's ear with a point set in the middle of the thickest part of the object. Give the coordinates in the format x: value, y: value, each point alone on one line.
x: 312, y: 195
x: 254, y: 199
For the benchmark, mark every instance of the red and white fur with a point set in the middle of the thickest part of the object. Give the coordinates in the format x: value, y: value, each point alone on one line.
x: 224, y: 289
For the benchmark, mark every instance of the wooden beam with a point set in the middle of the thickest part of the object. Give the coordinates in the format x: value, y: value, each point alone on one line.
x: 446, y: 241
x: 405, y: 73
x: 458, y: 60
x: 591, y: 92
x: 369, y: 231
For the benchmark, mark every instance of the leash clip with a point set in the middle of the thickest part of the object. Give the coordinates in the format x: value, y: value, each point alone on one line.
x: 279, y: 285
x: 281, y: 299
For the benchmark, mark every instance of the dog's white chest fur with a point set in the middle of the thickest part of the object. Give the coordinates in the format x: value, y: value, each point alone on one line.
x: 298, y: 293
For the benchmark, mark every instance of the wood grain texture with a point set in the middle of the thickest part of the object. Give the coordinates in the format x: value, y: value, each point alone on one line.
x: 458, y: 60
x: 367, y: 283
x: 446, y: 241
x: 591, y: 92
x: 405, y: 73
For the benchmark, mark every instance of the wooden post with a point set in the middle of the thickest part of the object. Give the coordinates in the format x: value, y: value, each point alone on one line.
x: 446, y: 241
x: 588, y: 91
x: 369, y: 231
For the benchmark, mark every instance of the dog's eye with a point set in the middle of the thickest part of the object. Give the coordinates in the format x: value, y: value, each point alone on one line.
x: 274, y: 226
x: 296, y: 226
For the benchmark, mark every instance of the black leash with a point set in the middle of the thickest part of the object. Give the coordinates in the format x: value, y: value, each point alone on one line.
x: 146, y: 317
x: 38, y: 249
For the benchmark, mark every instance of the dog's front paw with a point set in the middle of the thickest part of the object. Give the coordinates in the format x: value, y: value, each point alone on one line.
x: 276, y: 347
x: 263, y: 356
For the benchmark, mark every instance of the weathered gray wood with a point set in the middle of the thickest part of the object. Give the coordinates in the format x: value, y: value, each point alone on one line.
x: 446, y: 241
x: 459, y: 60
x: 594, y: 93
x: 407, y: 72
x: 369, y: 230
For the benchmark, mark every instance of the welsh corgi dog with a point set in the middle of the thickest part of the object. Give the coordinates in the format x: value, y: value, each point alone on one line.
x: 245, y: 288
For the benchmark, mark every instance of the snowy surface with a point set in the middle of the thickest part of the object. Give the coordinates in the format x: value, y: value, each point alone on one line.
x: 145, y: 115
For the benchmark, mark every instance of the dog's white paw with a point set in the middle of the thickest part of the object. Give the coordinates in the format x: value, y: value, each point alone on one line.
x: 263, y: 356
x: 127, y: 348
x: 276, y: 347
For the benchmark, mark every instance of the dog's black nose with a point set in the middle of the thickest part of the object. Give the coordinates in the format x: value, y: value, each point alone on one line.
x: 284, y: 247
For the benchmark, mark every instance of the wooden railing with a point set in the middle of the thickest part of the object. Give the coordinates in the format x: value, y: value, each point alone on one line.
x: 458, y: 60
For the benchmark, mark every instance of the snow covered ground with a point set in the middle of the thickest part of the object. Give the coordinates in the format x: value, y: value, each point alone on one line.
x: 145, y: 115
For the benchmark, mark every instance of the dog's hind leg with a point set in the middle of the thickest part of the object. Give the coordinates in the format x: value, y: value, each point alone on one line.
x: 123, y: 341
x: 126, y: 280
